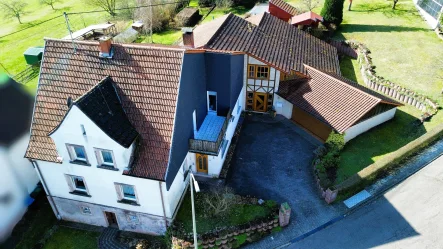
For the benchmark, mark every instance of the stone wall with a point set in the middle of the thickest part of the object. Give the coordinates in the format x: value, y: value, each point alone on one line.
x: 379, y: 84
x: 230, y: 237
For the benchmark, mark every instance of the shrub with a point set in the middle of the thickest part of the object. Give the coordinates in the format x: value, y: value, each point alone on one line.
x: 245, y: 3
x: 327, y: 159
x: 332, y: 11
x: 206, y: 3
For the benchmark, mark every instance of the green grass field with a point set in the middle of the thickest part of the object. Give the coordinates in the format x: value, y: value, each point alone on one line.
x: 69, y: 238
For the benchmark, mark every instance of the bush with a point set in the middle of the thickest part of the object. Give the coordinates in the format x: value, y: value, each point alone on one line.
x: 245, y: 3
x: 332, y: 11
x: 206, y: 3
x: 328, y: 158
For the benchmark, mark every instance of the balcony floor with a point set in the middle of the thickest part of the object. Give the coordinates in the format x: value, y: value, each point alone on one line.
x: 211, y: 127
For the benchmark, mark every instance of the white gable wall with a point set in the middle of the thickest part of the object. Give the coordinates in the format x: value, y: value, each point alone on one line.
x: 364, y: 126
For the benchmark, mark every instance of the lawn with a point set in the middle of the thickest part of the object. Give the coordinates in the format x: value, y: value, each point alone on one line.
x: 239, y: 214
x: 69, y: 238
x: 405, y: 51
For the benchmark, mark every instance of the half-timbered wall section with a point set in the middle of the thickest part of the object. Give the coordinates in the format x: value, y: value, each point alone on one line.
x: 261, y: 84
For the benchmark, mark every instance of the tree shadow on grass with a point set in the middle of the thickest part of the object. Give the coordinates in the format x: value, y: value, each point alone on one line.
x: 386, y: 9
x: 350, y: 28
x: 381, y: 140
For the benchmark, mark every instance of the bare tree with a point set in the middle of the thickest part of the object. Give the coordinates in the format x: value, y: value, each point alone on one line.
x: 49, y: 2
x: 107, y: 5
x: 14, y: 9
x: 162, y: 14
x: 395, y: 3
x: 311, y: 4
x: 219, y: 201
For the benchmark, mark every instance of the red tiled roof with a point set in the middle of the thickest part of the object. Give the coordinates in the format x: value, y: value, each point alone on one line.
x: 306, y: 16
x: 332, y: 99
x: 275, y: 42
x: 285, y: 7
x: 146, y: 78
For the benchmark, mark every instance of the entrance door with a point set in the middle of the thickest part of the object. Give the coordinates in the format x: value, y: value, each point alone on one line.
x: 202, y: 163
x: 112, y: 220
x: 260, y: 102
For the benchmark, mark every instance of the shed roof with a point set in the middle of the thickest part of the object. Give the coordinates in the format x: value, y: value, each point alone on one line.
x: 332, y: 99
x: 285, y: 7
x: 273, y: 41
x: 146, y: 79
x: 306, y: 16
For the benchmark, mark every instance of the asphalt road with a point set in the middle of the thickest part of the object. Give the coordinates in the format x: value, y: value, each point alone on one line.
x: 407, y: 216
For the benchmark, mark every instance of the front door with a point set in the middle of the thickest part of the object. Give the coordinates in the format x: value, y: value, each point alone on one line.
x: 202, y: 163
x: 112, y: 220
x: 260, y: 102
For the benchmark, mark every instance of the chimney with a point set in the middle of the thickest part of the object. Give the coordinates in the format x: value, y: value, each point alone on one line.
x: 105, y: 44
x: 188, y: 37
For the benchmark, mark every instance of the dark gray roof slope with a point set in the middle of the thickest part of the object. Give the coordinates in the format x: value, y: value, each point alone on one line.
x: 102, y: 105
x: 275, y: 42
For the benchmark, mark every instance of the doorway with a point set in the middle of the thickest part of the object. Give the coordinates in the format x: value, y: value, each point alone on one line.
x: 202, y: 163
x: 112, y: 219
x: 260, y: 102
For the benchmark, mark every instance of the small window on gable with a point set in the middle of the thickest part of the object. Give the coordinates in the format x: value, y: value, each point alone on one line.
x: 77, y: 154
x: 105, y: 158
x: 126, y: 193
x: 83, y: 130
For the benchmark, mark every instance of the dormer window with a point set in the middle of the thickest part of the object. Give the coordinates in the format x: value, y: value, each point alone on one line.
x: 105, y: 158
x: 77, y: 154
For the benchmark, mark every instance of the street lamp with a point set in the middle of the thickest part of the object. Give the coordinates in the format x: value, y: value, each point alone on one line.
x: 193, y: 184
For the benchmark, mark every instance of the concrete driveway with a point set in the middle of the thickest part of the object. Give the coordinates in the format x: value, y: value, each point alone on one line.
x: 272, y: 160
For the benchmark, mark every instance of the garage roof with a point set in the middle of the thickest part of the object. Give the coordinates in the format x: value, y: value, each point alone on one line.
x: 331, y: 98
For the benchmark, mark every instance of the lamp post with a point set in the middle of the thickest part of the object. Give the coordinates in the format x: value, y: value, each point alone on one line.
x: 193, y: 183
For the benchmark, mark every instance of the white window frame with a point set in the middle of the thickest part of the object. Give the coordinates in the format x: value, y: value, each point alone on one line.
x: 73, y: 155
x: 121, y: 195
x: 72, y: 186
x: 212, y: 93
x: 101, y: 161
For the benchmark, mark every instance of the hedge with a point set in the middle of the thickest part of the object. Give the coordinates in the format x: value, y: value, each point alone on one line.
x: 369, y: 174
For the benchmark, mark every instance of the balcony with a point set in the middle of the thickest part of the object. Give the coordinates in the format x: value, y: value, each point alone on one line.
x: 210, y: 135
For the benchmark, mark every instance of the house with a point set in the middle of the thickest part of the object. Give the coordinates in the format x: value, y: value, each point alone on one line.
x: 295, y: 73
x: 325, y: 102
x: 431, y: 10
x: 116, y: 127
x: 282, y: 10
x: 18, y: 177
x: 307, y: 19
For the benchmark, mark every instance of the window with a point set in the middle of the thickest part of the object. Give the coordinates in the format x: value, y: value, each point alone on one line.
x: 212, y: 101
x: 238, y: 106
x: 77, y: 185
x: 105, y: 158
x: 251, y: 71
x: 77, y: 154
x: 224, y: 146
x: 262, y: 72
x: 83, y: 130
x: 258, y: 72
x: 86, y: 210
x: 126, y: 193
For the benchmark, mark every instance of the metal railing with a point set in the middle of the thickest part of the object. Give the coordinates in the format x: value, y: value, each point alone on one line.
x: 210, y: 147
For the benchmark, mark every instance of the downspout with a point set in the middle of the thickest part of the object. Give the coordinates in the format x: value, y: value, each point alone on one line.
x: 48, y: 194
x: 163, y: 204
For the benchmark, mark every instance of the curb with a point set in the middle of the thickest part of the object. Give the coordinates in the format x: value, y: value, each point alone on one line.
x: 358, y: 206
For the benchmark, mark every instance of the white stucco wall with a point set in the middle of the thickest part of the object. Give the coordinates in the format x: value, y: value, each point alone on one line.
x: 283, y: 107
x: 176, y: 191
x: 364, y: 126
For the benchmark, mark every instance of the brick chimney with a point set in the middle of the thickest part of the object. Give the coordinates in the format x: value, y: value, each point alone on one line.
x: 105, y: 45
x: 188, y: 37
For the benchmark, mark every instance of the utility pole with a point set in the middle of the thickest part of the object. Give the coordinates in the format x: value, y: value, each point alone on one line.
x: 69, y: 29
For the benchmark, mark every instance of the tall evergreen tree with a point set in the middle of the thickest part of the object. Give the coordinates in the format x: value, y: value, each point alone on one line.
x: 332, y: 11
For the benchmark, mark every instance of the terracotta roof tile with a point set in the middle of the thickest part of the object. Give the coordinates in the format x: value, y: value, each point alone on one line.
x: 285, y: 6
x: 330, y: 98
x: 146, y: 78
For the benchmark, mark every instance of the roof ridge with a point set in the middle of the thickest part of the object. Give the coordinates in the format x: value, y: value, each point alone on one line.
x: 343, y: 83
x: 131, y: 45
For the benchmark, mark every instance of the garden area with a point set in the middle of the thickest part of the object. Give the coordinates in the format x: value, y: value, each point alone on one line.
x: 405, y: 51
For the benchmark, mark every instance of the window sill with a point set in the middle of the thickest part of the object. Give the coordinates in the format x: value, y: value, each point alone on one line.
x: 124, y: 201
x: 80, y: 193
x: 83, y: 163
x: 107, y: 167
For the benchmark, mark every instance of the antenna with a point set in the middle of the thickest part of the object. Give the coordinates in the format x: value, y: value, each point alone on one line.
x: 69, y: 29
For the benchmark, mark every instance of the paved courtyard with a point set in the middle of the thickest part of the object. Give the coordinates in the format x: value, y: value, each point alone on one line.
x: 272, y: 161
